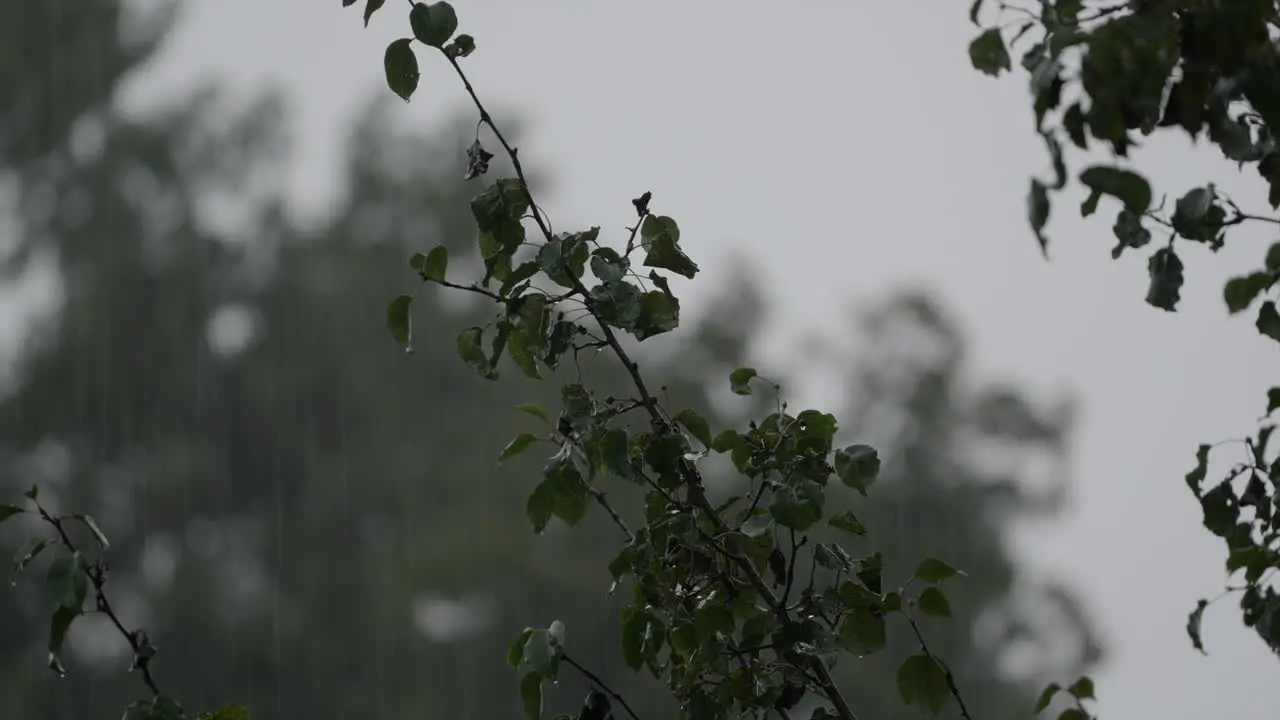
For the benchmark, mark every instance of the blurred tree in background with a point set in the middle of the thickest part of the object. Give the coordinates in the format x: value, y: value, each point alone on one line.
x: 312, y: 523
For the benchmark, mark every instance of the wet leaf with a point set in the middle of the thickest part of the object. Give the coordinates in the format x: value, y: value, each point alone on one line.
x: 696, y: 425
x: 922, y: 683
x: 371, y: 7
x: 848, y: 522
x: 740, y: 379
x: 933, y: 602
x: 518, y: 444
x: 433, y: 24
x: 857, y: 466
x: 934, y: 570
x: 399, y: 322
x: 862, y: 632
x: 401, y: 66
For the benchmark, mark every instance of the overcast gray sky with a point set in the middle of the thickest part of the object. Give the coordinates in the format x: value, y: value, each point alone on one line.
x: 856, y: 135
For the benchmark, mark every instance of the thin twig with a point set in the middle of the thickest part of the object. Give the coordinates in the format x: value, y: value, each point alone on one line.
x: 600, y: 684
x: 98, y: 579
x: 951, y: 678
x: 692, y: 478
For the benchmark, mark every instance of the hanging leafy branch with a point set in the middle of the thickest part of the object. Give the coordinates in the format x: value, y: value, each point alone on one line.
x: 1101, y: 72
x: 70, y: 578
x: 714, y: 609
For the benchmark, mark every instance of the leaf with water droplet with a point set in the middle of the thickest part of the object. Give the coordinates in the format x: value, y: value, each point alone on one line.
x: 401, y: 67
x: 398, y: 320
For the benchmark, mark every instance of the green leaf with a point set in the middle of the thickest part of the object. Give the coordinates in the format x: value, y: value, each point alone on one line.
x: 696, y: 425
x: 988, y: 54
x: 8, y: 511
x: 862, y: 632
x: 518, y: 444
x: 660, y: 237
x: 1129, y: 232
x: 564, y: 259
x: 608, y: 266
x: 1126, y: 186
x: 712, y: 619
x: 371, y: 7
x: 540, y: 506
x: 1165, y: 270
x: 659, y: 313
x: 473, y: 355
x: 516, y: 652
x: 92, y: 524
x: 1273, y: 399
x: 462, y: 46
x: 433, y: 24
x: 857, y: 466
x: 1269, y: 320
x: 933, y: 570
x: 401, y: 67
x: 435, y: 263
x: 756, y: 525
x: 531, y: 695
x: 923, y: 683
x: 797, y: 507
x: 848, y: 522
x: 871, y: 571
x: 740, y: 379
x: 1272, y: 262
x: 1074, y: 714
x: 28, y: 552
x: 1082, y: 689
x: 1193, y: 625
x: 932, y: 601
x: 67, y: 581
x: 832, y: 557
x: 570, y: 497
x: 535, y: 410
x: 1038, y: 212
x: 398, y: 320
x: 59, y: 623
x: 1240, y: 292
x: 1046, y: 696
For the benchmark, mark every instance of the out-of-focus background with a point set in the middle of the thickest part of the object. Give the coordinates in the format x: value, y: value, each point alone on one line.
x: 205, y: 208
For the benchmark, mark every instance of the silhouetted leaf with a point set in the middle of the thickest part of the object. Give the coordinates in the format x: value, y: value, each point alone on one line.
x: 1046, y: 696
x: 433, y: 24
x: 401, y: 66
x: 1165, y: 270
x: 1269, y: 320
x: 1038, y: 212
x: 740, y: 380
x: 1126, y: 186
x: 1193, y: 625
x: 8, y: 511
x: 988, y: 54
x: 371, y: 7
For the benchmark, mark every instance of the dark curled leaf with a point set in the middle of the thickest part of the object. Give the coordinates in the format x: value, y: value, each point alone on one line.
x: 1126, y: 186
x: 1268, y: 322
x: 1038, y: 208
x: 988, y: 54
x: 1165, y: 270
x: 1193, y: 625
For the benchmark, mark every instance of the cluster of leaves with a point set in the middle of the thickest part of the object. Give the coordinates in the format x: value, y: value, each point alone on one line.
x: 70, y: 578
x: 1101, y: 72
x: 716, y: 609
